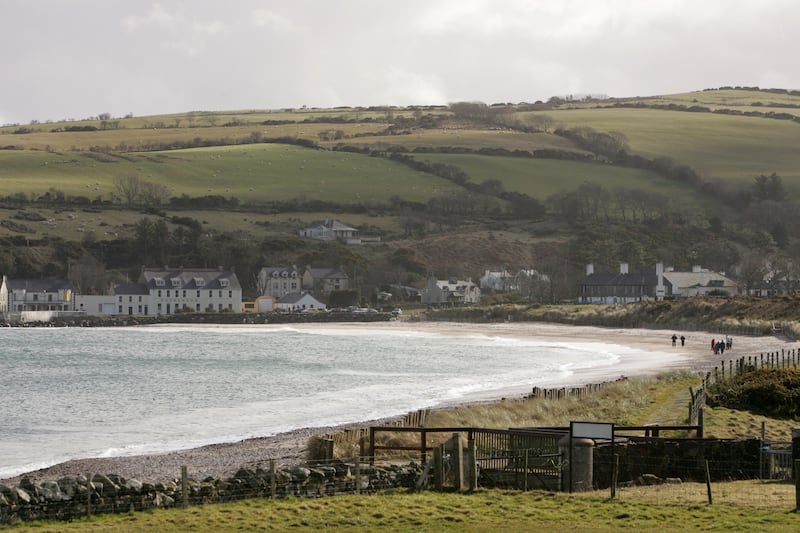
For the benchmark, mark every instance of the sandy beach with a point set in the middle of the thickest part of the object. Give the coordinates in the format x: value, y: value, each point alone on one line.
x: 224, y: 459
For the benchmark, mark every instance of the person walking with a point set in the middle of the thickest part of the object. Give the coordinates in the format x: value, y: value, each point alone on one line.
x: 674, y: 338
x: 683, y: 340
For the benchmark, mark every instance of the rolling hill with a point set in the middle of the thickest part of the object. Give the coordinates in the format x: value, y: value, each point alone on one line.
x: 457, y: 188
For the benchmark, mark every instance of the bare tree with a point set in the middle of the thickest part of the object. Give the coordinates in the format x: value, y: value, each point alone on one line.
x: 129, y: 187
x: 87, y: 274
x: 152, y: 193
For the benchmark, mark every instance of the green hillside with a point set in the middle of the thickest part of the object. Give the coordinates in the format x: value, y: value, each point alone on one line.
x: 253, y: 172
x: 722, y: 147
x: 707, y: 177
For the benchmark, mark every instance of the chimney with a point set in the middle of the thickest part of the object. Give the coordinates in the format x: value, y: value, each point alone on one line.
x: 660, y: 289
x: 623, y: 268
x: 590, y: 269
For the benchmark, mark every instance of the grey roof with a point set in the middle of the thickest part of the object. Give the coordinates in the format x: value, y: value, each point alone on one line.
x: 697, y: 279
x: 335, y: 225
x: 269, y: 271
x: 327, y: 273
x: 130, y: 288
x: 39, y: 285
x: 617, y: 279
x: 199, y: 278
x: 296, y: 297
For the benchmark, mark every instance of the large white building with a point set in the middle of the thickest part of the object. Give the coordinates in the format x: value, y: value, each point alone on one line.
x: 164, y: 291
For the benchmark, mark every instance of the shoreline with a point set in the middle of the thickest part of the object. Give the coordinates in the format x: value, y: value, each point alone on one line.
x: 224, y: 459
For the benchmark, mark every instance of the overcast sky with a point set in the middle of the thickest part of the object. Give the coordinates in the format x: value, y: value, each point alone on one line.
x: 79, y: 58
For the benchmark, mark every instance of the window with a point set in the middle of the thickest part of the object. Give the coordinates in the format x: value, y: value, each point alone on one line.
x: 140, y: 299
x: 220, y: 294
x: 210, y: 294
x: 197, y: 306
x: 230, y: 294
x: 120, y: 298
x: 198, y: 294
x: 159, y: 294
x: 159, y: 309
x: 35, y: 297
x: 120, y: 309
x: 184, y: 293
x: 176, y: 282
x: 130, y: 298
x: 223, y: 282
x: 159, y: 282
x: 167, y: 293
x: 140, y: 309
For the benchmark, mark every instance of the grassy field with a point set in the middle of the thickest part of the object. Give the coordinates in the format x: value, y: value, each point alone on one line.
x: 719, y: 147
x: 484, y: 510
x: 541, y: 178
x: 731, y: 148
x: 255, y: 172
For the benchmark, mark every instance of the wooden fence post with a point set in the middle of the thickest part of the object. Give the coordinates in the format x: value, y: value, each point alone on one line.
x: 614, y: 475
x: 273, y: 483
x: 708, y: 484
x: 358, y: 475
x: 797, y: 485
x: 184, y: 487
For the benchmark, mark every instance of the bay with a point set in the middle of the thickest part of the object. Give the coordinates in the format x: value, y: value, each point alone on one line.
x: 71, y: 393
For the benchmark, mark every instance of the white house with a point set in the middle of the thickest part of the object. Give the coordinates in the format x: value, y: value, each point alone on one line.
x: 496, y: 280
x: 699, y: 282
x: 131, y: 299
x: 18, y: 295
x: 329, y: 230
x: 453, y: 292
x: 324, y: 280
x: 96, y: 304
x: 279, y: 281
x: 298, y: 303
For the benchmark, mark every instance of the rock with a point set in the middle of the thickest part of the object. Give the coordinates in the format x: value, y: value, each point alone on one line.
x: 673, y: 481
x: 651, y: 479
x: 21, y: 495
x: 132, y: 486
x: 162, y: 500
x: 68, y: 486
x: 50, y: 491
x: 300, y: 473
x: 109, y: 488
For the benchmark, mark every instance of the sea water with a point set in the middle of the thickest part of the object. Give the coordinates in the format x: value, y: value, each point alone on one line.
x: 72, y: 393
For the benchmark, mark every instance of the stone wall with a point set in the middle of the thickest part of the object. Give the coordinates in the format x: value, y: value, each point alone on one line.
x: 70, y: 498
x: 728, y: 459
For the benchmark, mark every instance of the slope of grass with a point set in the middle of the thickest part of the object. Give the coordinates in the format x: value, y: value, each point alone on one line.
x: 734, y: 148
x: 255, y: 172
x: 541, y: 178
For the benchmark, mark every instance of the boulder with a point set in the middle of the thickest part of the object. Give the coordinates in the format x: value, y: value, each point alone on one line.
x: 50, y: 491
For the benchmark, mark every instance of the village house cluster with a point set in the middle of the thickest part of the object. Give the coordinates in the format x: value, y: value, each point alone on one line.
x: 165, y: 290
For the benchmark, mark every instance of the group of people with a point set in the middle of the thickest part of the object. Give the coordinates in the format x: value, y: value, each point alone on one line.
x: 718, y: 346
x: 675, y: 339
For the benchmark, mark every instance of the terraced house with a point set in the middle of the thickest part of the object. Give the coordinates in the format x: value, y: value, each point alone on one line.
x: 166, y: 291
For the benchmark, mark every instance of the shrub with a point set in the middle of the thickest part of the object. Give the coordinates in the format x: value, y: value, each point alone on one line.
x: 773, y: 392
